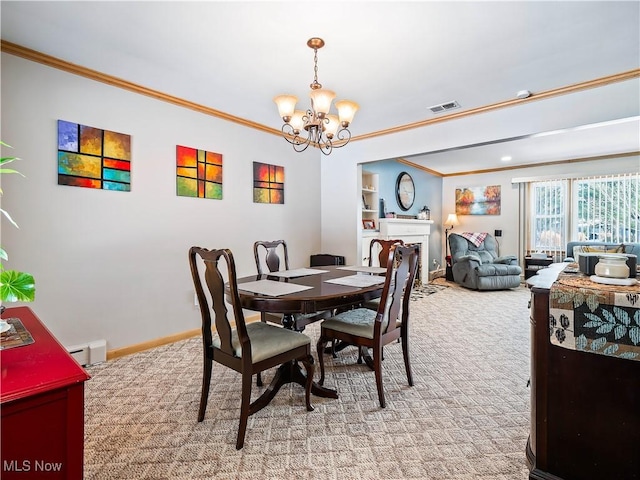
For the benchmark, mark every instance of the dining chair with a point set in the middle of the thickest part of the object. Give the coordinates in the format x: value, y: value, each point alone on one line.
x: 247, y: 348
x: 373, y: 330
x: 272, y: 252
x: 378, y: 254
x: 382, y: 248
x: 379, y: 251
x: 270, y: 255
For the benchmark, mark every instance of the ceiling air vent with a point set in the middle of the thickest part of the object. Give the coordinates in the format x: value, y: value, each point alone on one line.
x: 444, y: 107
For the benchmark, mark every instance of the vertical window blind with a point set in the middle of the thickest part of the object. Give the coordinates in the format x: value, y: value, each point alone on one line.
x: 607, y: 209
x: 549, y: 217
x: 603, y: 209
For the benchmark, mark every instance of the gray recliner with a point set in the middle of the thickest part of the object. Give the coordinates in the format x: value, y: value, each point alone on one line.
x: 480, y: 267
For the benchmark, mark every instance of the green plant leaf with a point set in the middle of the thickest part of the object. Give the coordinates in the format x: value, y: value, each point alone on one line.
x: 6, y: 214
x: 8, y: 170
x: 14, y: 286
x: 17, y: 286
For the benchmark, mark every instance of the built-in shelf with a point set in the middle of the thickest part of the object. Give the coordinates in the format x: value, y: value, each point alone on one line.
x: 370, y: 211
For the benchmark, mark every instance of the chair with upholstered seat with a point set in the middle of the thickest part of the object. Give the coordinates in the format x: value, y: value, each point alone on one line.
x: 379, y: 259
x: 379, y: 251
x: 378, y: 255
x: 272, y: 255
x: 246, y: 348
x: 274, y: 252
x: 370, y: 329
x: 477, y: 264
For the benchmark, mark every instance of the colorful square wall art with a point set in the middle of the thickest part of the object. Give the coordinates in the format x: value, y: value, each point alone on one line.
x: 478, y: 200
x: 268, y: 183
x: 198, y: 173
x: 93, y: 158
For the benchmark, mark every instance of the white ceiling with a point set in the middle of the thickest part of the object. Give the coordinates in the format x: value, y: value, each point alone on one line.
x: 395, y: 59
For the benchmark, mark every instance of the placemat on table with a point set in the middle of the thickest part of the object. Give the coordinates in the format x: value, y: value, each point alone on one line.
x: 16, y: 336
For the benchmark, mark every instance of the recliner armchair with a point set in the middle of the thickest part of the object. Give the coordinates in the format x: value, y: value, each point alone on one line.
x: 476, y: 263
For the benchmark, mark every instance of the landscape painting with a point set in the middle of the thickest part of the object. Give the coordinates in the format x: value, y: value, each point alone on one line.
x: 268, y: 183
x: 478, y: 200
x: 93, y: 158
x: 198, y: 173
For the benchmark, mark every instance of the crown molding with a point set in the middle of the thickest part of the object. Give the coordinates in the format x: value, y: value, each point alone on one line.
x: 34, y: 56
x: 517, y: 167
x: 577, y: 87
x: 54, y: 62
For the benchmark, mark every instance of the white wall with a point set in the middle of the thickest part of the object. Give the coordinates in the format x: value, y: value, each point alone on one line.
x: 113, y: 265
x: 339, y: 174
x: 508, y: 221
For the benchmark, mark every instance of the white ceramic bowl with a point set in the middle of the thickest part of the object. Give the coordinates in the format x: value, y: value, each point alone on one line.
x: 612, y: 266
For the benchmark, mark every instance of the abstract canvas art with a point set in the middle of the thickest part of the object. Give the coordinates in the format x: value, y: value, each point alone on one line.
x: 478, y: 200
x: 198, y: 173
x: 268, y: 183
x: 93, y: 158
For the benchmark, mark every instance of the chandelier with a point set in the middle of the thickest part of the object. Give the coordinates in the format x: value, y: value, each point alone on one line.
x: 324, y: 130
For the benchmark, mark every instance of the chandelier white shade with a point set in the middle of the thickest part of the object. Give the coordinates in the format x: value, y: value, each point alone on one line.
x: 323, y: 129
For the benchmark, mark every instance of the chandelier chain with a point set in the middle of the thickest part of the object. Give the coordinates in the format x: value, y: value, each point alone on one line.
x: 315, y: 83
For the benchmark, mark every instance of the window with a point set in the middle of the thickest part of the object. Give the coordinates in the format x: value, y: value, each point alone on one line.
x: 549, y: 215
x: 607, y: 209
x: 604, y: 209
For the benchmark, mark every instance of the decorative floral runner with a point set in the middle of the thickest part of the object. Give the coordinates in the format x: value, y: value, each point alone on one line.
x: 16, y: 336
x: 595, y: 318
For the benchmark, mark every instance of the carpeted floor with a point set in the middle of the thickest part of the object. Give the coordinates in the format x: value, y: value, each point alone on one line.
x: 467, y: 417
x: 429, y: 289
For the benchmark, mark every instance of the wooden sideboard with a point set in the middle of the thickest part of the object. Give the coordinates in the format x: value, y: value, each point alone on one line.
x: 585, y: 407
x: 42, y: 403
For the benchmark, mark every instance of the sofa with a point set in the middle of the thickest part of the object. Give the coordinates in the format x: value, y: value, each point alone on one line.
x: 585, y: 254
x: 632, y: 248
x: 476, y: 263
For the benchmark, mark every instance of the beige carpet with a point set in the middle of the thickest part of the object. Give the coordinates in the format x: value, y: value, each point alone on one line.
x: 467, y: 417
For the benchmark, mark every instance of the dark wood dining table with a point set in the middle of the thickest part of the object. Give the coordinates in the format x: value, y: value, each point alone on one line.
x: 321, y: 296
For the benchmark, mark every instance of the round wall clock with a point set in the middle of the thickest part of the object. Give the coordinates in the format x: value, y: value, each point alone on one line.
x: 405, y: 191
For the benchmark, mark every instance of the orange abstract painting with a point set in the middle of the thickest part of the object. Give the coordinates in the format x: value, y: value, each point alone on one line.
x: 268, y: 183
x: 93, y: 158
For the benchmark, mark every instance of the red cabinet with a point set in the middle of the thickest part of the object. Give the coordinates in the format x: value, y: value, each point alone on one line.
x: 42, y: 406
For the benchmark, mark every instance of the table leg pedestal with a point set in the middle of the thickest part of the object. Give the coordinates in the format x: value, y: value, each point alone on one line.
x: 291, y: 372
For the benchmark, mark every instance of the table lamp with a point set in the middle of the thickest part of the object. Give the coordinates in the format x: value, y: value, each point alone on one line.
x: 450, y: 222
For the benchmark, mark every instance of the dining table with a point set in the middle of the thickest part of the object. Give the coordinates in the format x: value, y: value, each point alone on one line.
x: 308, y: 290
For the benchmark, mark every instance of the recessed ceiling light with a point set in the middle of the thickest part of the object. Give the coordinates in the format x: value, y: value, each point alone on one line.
x: 506, y: 158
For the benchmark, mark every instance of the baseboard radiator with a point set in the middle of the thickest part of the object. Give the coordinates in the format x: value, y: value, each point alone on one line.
x: 89, y: 353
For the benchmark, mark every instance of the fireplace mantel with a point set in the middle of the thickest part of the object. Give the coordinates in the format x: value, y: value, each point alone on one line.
x: 410, y: 231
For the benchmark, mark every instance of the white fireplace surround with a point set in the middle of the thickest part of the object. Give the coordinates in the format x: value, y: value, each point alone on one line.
x: 410, y: 231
